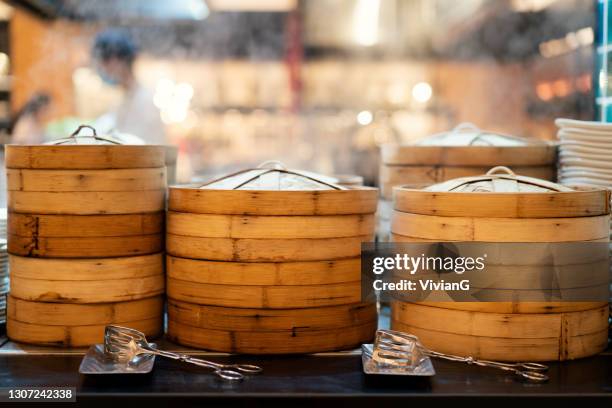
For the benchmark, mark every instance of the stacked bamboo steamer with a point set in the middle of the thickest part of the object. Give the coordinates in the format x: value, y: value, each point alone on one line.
x: 85, y: 237
x: 267, y: 261
x: 465, y: 151
x: 502, y: 207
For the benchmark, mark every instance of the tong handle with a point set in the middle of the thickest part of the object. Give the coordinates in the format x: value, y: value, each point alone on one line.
x: 530, y: 371
x: 232, y: 372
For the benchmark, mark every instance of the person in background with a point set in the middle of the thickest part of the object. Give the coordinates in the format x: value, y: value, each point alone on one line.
x: 114, y: 53
x: 28, y: 125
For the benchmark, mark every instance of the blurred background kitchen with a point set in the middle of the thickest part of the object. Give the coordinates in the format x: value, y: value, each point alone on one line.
x: 318, y: 84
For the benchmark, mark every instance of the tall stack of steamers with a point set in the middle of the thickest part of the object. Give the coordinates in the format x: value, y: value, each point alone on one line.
x: 267, y: 260
x: 85, y: 233
x: 501, y: 207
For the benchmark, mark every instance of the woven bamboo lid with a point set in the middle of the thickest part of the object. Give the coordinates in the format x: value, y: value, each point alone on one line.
x: 467, y: 145
x: 84, y: 151
x: 503, y: 194
x: 272, y: 189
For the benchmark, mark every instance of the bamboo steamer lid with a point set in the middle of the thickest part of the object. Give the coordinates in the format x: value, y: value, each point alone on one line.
x: 502, y: 194
x: 466, y: 145
x: 505, y: 337
x: 423, y: 176
x: 79, y: 325
x: 82, y: 152
x: 86, y: 280
x: 271, y: 189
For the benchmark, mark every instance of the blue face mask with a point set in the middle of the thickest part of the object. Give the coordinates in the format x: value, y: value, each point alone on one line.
x: 107, y: 79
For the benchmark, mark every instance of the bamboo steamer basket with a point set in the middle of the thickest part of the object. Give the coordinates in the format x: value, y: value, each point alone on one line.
x: 79, y: 325
x: 86, y: 280
x: 267, y: 261
x: 269, y: 215
x: 503, y: 207
x: 264, y: 331
x: 84, y: 175
x: 85, y: 236
x: 462, y: 152
x: 85, y: 197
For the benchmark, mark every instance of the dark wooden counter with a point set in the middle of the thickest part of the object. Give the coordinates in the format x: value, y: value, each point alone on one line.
x: 316, y: 380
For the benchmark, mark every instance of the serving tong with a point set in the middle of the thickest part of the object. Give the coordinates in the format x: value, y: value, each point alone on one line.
x: 398, y: 349
x: 124, y: 344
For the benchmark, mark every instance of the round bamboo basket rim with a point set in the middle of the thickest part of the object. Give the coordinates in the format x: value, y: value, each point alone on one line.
x: 52, y: 157
x: 264, y: 273
x: 87, y: 291
x: 298, y: 341
x: 95, y: 225
x: 264, y: 297
x: 86, y: 269
x: 269, y: 226
x: 264, y: 320
x: 74, y: 336
x: 579, y: 203
x: 98, y: 180
x: 517, y: 307
x: 468, y: 156
x: 484, y: 229
x: 512, y: 350
x: 264, y: 250
x: 500, y: 325
x: 86, y: 202
x: 85, y: 247
x: 59, y: 314
x: 358, y: 200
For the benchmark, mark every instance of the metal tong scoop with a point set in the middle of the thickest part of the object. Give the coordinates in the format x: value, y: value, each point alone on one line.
x: 124, y: 344
x: 405, y: 350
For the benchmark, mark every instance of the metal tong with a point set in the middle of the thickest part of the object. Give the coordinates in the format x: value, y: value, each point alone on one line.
x: 405, y: 350
x: 125, y: 344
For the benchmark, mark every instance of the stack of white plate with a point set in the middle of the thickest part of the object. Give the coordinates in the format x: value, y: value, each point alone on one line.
x: 585, y: 152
